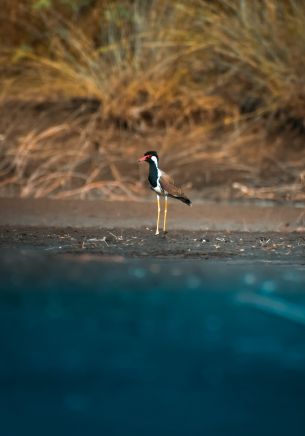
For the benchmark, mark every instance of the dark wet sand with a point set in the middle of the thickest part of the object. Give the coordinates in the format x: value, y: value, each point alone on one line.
x: 228, y: 246
x: 208, y: 231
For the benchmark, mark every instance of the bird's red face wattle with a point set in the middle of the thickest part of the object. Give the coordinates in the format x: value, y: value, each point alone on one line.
x: 144, y: 158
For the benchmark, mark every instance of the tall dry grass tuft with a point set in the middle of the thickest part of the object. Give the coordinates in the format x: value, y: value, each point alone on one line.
x: 218, y: 82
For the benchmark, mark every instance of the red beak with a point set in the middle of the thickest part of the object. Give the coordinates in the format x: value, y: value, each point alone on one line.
x: 142, y: 159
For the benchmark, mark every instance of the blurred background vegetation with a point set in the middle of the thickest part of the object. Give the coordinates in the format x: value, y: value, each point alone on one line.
x: 217, y: 87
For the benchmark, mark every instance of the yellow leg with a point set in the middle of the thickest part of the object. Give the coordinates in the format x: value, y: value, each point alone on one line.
x: 158, y: 219
x: 165, y: 213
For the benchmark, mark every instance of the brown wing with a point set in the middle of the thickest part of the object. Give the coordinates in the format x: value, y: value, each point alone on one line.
x: 169, y: 186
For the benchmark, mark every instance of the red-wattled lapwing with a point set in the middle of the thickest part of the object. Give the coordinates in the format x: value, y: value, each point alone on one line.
x: 162, y: 184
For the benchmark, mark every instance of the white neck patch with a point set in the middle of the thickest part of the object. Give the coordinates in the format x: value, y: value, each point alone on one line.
x: 155, y: 160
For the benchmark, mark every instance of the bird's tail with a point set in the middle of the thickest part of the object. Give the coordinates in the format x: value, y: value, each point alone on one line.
x: 185, y: 200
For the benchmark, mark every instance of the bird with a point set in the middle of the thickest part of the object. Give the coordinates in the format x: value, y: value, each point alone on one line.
x: 162, y: 184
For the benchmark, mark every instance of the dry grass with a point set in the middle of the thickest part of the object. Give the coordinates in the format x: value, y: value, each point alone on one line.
x: 215, y: 86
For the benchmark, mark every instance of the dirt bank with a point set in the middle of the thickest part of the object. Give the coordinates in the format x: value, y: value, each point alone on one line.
x: 228, y: 246
x: 206, y: 230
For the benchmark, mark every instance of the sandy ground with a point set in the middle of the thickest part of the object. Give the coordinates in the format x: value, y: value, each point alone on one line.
x: 202, y: 216
x: 229, y: 246
x: 208, y: 231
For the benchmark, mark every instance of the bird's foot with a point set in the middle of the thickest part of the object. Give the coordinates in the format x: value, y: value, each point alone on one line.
x: 157, y: 232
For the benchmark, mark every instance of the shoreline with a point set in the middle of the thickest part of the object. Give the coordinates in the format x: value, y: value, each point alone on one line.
x: 207, y: 216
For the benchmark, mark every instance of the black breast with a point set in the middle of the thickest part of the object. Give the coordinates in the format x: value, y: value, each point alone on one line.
x: 153, y: 175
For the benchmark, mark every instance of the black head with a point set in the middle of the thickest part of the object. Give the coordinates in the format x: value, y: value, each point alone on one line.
x: 147, y: 157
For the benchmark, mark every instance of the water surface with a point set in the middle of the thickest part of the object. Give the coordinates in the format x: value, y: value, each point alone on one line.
x: 110, y: 346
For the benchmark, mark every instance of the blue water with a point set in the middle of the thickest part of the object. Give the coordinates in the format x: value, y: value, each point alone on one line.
x: 147, y: 347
